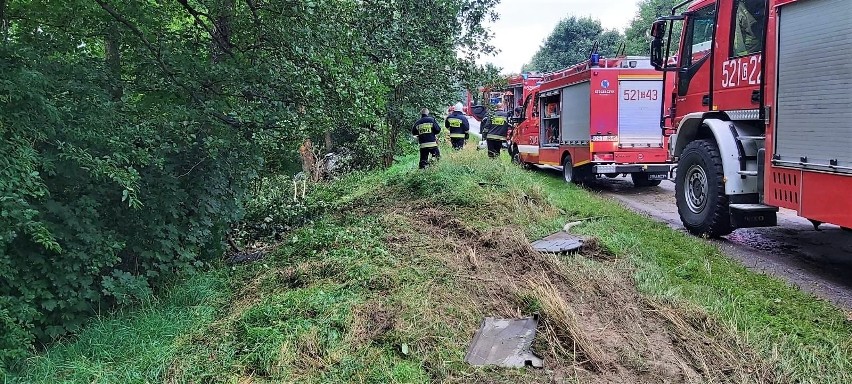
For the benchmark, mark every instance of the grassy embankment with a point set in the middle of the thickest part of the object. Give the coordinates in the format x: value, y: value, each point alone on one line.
x: 391, y: 284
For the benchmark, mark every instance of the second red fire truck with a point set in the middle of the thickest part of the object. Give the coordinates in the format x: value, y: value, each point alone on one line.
x: 597, y: 118
x: 517, y: 88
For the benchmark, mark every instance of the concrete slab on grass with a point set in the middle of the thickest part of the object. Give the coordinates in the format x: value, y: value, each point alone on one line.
x: 504, y: 343
x: 558, y: 242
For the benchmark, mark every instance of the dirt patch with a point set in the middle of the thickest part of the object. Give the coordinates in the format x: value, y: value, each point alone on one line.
x: 595, y: 325
x: 371, y: 321
x: 448, y: 223
x: 593, y: 249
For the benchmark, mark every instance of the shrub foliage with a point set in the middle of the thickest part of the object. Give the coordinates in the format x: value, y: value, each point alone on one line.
x: 130, y: 131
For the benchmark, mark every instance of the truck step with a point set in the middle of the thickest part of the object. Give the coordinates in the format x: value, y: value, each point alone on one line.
x: 757, y: 138
x: 753, y: 215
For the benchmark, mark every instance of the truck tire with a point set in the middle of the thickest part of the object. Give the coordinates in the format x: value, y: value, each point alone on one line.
x: 640, y: 179
x: 700, y: 190
x: 568, y: 170
x: 516, y: 158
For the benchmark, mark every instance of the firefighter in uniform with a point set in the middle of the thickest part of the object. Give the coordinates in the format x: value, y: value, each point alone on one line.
x: 458, y: 126
x: 426, y: 129
x: 495, y: 127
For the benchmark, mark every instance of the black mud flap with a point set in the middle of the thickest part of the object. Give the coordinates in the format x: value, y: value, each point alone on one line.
x: 753, y: 215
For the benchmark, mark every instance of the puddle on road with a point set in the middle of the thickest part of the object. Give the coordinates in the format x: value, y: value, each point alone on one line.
x: 758, y: 241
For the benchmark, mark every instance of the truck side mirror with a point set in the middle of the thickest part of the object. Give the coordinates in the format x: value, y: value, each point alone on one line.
x: 657, y: 54
x: 658, y: 30
x: 658, y: 34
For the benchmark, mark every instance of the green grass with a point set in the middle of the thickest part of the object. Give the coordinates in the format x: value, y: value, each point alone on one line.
x: 304, y: 314
x: 135, y: 344
x: 809, y: 339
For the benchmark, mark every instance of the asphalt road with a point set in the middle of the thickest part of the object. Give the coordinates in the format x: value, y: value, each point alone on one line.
x: 819, y: 262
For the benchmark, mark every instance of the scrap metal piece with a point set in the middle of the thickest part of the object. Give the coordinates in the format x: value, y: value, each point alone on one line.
x: 504, y: 343
x: 558, y: 242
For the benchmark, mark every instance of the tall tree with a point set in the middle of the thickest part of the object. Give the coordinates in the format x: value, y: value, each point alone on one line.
x: 571, y: 42
x: 636, y: 34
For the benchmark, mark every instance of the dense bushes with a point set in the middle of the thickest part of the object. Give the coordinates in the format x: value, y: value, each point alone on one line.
x: 130, y: 131
x: 100, y: 205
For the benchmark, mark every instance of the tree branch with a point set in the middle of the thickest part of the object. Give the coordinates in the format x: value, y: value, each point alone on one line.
x: 253, y: 8
x: 196, y: 15
x: 162, y: 64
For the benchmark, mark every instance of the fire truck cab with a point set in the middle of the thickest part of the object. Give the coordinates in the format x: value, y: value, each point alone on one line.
x: 597, y: 118
x: 760, y: 107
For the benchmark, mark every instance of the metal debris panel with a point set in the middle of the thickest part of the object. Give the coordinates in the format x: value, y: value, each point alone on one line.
x: 558, y: 242
x: 504, y: 343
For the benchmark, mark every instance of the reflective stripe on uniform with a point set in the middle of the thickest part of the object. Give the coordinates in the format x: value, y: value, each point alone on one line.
x: 498, y: 120
x: 428, y: 145
x: 424, y: 128
x: 455, y: 123
x: 457, y: 135
x: 495, y: 137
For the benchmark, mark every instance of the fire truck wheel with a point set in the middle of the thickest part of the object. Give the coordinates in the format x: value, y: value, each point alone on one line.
x: 700, y: 191
x: 640, y: 179
x: 568, y: 170
x: 516, y: 158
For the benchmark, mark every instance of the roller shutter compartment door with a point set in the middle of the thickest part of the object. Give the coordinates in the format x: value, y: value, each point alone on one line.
x: 639, y: 113
x: 576, y: 105
x: 814, y: 101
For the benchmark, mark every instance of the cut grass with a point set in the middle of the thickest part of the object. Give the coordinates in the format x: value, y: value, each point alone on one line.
x: 338, y: 301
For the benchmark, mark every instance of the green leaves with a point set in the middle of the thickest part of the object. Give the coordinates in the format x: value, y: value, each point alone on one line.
x: 636, y: 34
x: 571, y: 42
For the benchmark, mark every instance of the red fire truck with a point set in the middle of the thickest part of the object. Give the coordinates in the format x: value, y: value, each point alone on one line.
x: 484, y: 95
x: 761, y: 108
x: 517, y: 88
x: 599, y: 117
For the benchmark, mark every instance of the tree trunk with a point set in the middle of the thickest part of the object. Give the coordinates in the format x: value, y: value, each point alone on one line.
x: 221, y: 39
x: 112, y: 45
x: 328, y: 143
x: 310, y: 164
x: 391, y: 146
x: 392, y: 125
x: 4, y: 25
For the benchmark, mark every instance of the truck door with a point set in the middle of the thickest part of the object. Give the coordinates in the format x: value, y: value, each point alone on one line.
x: 526, y: 134
x: 739, y: 54
x: 693, y: 84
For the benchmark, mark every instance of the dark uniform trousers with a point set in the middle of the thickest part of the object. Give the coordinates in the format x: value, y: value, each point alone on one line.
x: 424, y: 155
x: 494, y: 147
x: 458, y: 142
